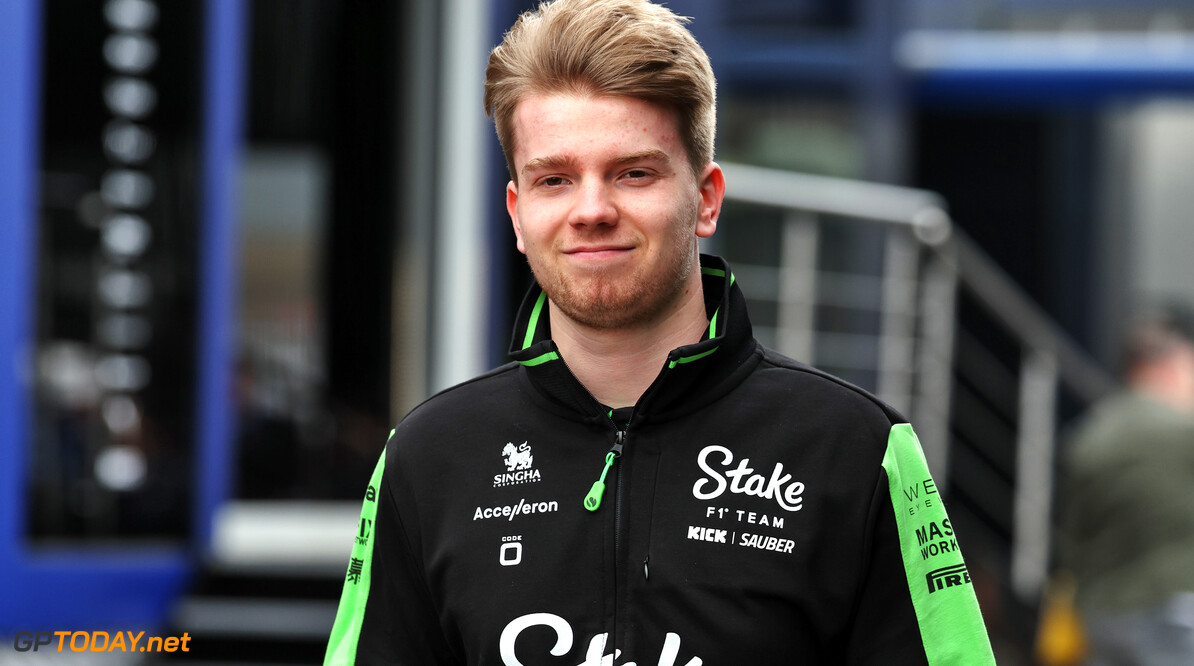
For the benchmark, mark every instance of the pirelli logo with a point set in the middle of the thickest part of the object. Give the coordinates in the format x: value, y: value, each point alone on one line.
x: 947, y: 577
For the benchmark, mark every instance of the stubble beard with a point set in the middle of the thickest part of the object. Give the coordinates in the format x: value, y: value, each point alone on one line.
x: 606, y: 299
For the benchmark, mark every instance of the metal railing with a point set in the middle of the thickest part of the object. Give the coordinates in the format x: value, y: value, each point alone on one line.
x: 928, y: 266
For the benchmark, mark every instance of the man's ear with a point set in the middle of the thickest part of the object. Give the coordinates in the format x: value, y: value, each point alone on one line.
x: 512, y: 209
x: 712, y: 184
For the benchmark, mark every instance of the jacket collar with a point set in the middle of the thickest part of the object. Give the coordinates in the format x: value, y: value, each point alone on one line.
x: 693, y: 375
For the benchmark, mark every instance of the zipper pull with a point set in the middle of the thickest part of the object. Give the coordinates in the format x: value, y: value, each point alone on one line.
x: 646, y: 573
x: 593, y: 499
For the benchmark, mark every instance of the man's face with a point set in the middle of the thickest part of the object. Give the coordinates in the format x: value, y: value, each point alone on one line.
x: 606, y: 206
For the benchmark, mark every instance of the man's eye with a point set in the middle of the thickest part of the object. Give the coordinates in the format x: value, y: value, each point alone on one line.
x: 553, y: 181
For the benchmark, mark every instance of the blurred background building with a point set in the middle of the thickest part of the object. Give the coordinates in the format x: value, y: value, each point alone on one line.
x: 239, y: 239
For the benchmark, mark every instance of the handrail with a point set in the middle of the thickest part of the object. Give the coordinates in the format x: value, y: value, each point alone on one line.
x: 924, y: 212
x: 1024, y: 318
x: 1048, y: 357
x: 839, y: 196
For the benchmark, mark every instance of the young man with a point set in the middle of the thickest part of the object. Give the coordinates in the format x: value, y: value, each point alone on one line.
x: 645, y: 484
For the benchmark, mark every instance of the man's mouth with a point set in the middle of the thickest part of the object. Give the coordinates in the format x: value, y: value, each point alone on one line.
x: 597, y: 251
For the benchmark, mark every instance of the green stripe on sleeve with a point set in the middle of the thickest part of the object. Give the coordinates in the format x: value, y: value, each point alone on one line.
x: 350, y: 615
x: 951, y: 625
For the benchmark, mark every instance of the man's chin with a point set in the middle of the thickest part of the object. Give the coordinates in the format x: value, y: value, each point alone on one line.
x: 602, y: 318
x: 605, y: 311
x: 605, y: 301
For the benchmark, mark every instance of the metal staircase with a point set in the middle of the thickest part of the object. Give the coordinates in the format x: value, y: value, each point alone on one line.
x: 952, y: 342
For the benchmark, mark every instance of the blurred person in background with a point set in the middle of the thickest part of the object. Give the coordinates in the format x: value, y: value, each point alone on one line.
x: 1127, y: 525
x: 646, y: 482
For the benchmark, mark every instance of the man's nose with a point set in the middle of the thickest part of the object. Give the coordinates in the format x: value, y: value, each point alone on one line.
x: 594, y: 205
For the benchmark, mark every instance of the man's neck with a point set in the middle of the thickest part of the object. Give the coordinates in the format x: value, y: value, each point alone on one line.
x: 617, y: 366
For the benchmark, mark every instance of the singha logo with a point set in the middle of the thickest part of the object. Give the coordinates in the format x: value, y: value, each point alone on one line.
x: 518, y: 466
x: 518, y: 458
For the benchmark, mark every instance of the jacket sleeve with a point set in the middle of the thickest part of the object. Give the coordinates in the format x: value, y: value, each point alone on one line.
x: 386, y: 615
x: 917, y: 604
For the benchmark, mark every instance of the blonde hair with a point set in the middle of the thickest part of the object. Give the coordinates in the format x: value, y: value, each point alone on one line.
x: 620, y: 48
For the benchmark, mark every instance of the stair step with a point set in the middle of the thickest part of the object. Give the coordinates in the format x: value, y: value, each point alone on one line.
x: 256, y: 618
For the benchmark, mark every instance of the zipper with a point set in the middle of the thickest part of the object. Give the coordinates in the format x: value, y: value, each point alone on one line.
x: 619, y: 441
x: 593, y: 502
x: 593, y: 499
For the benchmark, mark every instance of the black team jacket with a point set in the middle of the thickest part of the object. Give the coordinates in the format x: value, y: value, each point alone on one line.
x: 748, y: 510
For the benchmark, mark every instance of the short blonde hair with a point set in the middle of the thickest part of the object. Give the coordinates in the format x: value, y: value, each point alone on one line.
x: 620, y: 48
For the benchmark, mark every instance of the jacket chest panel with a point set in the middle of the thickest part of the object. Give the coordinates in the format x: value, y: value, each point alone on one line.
x: 727, y: 513
x: 511, y: 525
x: 711, y: 510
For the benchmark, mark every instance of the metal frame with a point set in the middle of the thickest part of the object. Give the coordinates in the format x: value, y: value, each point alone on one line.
x: 1050, y: 359
x: 913, y: 217
x: 459, y: 333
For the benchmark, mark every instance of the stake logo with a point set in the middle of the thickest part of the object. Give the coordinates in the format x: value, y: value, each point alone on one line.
x: 742, y: 480
x: 595, y: 655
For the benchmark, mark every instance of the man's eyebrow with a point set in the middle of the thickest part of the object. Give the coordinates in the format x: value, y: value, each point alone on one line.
x: 551, y: 162
x: 649, y: 155
x: 558, y: 161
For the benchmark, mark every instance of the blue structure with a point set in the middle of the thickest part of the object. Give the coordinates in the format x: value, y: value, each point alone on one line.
x: 119, y: 587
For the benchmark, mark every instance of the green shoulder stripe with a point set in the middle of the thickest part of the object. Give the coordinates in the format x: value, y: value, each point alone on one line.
x: 350, y: 615
x: 951, y: 625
